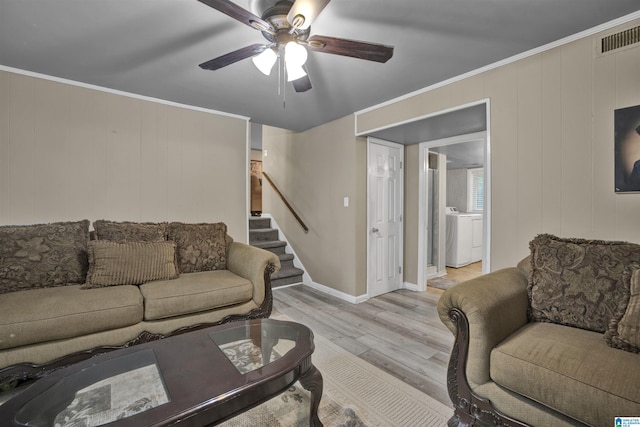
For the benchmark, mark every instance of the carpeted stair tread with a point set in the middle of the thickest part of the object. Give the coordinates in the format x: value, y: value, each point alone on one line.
x: 286, y: 257
x: 264, y: 234
x: 279, y: 283
x: 268, y: 245
x: 286, y: 276
x: 286, y: 260
x: 257, y: 223
x: 287, y: 272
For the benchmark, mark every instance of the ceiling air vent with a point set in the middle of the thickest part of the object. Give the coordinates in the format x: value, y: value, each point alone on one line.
x: 619, y: 40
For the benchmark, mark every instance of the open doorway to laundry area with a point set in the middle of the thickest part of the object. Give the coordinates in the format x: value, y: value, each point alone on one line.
x: 454, y: 182
x: 442, y: 137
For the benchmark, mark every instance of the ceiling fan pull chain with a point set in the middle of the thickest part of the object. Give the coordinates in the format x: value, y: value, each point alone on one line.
x: 284, y: 89
x: 282, y: 76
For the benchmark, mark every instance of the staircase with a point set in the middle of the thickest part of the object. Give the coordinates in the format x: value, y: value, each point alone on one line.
x: 261, y: 235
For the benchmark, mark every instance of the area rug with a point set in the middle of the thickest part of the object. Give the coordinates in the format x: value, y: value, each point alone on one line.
x: 356, y: 394
x: 441, y: 283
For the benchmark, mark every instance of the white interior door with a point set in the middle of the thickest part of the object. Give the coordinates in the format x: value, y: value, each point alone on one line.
x: 385, y: 182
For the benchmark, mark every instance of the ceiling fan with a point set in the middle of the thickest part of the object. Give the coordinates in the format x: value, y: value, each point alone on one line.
x: 286, y: 26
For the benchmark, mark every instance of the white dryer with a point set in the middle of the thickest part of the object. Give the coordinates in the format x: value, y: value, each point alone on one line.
x: 464, y: 238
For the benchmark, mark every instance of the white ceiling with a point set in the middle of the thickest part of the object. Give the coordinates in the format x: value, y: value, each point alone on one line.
x: 153, y: 48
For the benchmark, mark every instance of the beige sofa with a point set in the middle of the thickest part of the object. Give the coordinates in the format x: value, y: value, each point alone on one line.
x: 65, y: 296
x: 553, y: 342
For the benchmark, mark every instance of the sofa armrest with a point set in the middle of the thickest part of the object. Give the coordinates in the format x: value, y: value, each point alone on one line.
x: 255, y: 265
x: 495, y: 306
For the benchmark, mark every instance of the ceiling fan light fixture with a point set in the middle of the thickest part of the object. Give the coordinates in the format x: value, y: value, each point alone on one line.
x: 295, y: 54
x: 295, y: 72
x: 265, y: 61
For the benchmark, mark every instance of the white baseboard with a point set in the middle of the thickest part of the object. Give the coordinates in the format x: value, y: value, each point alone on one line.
x: 329, y: 291
x: 306, y: 279
x: 338, y: 294
x: 287, y: 286
x: 410, y: 286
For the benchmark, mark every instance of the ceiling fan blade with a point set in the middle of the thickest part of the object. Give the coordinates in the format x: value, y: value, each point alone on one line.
x: 240, y: 14
x: 362, y: 50
x: 308, y: 10
x: 233, y: 57
x: 302, y: 84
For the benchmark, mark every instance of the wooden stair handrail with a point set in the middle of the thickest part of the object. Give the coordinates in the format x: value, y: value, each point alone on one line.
x: 297, y: 217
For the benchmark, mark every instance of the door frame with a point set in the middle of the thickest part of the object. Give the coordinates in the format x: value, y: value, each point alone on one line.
x: 372, y: 140
x: 422, y: 214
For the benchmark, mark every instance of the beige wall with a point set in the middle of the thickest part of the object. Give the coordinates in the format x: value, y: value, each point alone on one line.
x: 315, y: 170
x: 256, y: 155
x: 68, y: 153
x: 551, y: 144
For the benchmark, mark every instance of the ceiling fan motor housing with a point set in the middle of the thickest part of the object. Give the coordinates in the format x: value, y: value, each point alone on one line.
x: 277, y: 17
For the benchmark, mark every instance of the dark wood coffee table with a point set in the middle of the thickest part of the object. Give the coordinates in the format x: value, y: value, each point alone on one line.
x: 199, y: 378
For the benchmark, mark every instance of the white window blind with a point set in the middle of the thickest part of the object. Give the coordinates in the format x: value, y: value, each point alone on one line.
x: 475, y: 189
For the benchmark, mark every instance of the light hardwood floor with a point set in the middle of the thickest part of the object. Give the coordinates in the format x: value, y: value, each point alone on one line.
x: 464, y: 273
x: 399, y: 332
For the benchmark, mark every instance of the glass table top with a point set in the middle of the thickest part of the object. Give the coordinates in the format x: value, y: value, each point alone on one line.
x: 111, y: 390
x: 252, y: 346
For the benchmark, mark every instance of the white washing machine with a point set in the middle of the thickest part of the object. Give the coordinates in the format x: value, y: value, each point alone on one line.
x: 464, y: 238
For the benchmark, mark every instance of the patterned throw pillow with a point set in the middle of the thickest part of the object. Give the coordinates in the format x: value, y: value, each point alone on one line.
x: 130, y: 231
x: 130, y: 263
x: 624, y: 329
x: 43, y: 255
x: 200, y: 247
x: 578, y: 282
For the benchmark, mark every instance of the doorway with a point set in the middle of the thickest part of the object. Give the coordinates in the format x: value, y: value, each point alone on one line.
x: 255, y: 180
x: 462, y: 235
x: 466, y: 119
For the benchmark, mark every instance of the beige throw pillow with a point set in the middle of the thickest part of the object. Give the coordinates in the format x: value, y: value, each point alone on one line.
x: 130, y: 263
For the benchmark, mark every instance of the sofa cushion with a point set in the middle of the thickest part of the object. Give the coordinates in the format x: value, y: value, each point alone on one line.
x: 624, y: 329
x: 130, y: 263
x: 570, y: 370
x: 201, y: 247
x: 43, y: 255
x: 127, y: 231
x: 194, y: 292
x: 578, y: 282
x: 50, y: 314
